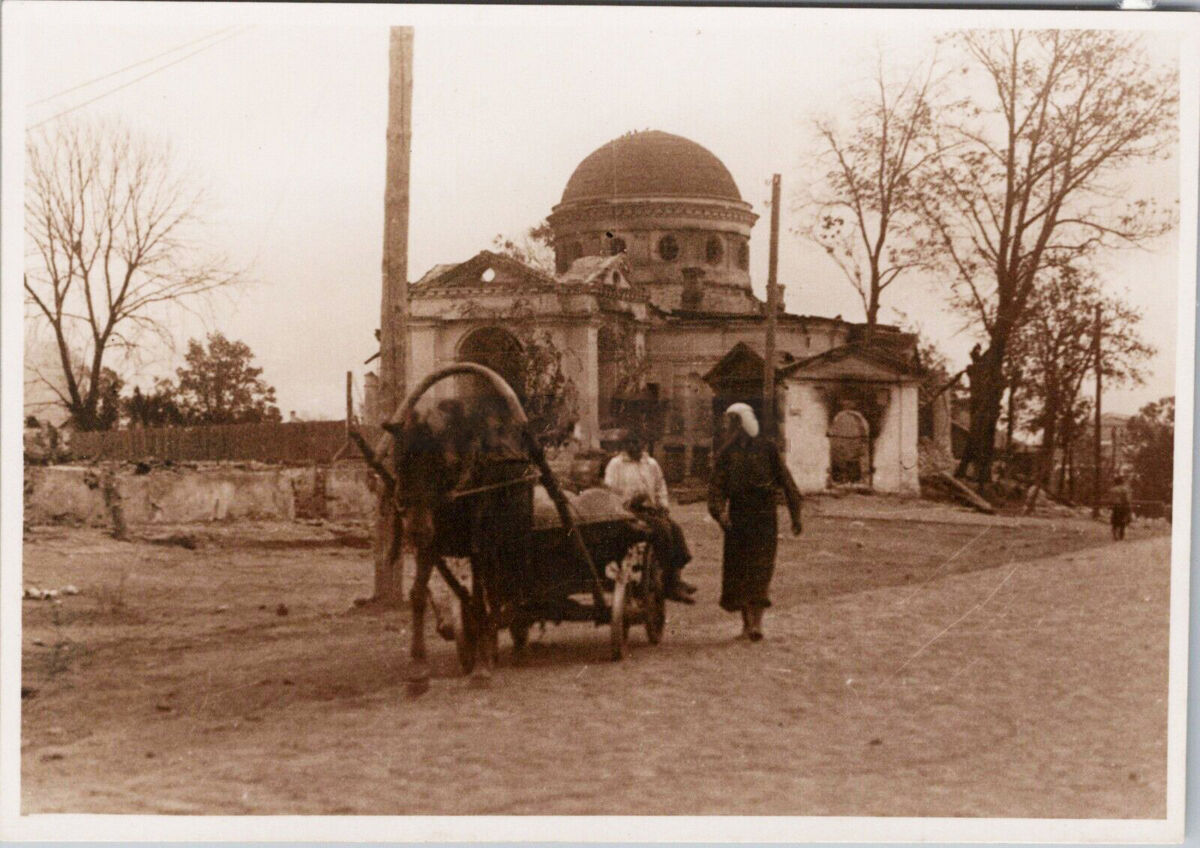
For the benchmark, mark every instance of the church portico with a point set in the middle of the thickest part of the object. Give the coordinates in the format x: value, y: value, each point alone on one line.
x: 651, y: 315
x: 492, y: 309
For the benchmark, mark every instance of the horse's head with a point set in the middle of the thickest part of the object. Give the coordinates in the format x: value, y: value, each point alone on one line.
x: 419, y: 463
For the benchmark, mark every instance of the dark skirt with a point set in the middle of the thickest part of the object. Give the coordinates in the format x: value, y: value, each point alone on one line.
x: 749, y: 555
x: 1121, y: 515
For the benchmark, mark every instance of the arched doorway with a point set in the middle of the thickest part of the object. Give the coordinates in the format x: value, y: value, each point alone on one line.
x: 849, y: 448
x: 497, y: 349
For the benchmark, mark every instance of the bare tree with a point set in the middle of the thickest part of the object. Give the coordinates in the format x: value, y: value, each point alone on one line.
x: 1029, y: 179
x: 862, y: 212
x: 111, y: 243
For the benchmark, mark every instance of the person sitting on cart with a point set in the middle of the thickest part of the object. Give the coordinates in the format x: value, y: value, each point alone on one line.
x: 637, y: 478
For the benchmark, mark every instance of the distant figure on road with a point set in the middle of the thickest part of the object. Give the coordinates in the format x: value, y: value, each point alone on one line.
x: 1121, y: 497
x: 637, y: 478
x: 747, y: 473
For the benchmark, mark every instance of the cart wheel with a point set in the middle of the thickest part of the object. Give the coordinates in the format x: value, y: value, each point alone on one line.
x: 465, y: 637
x: 654, y: 599
x: 618, y: 627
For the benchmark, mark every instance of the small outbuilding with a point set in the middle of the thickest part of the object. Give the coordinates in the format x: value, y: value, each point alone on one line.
x: 847, y: 416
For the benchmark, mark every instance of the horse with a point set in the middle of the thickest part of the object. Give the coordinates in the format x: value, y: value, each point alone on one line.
x: 457, y: 486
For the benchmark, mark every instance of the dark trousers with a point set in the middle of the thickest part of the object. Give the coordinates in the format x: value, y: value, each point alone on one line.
x: 667, y: 538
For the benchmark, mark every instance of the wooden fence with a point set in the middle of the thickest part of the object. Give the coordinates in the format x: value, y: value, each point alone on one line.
x: 289, y: 443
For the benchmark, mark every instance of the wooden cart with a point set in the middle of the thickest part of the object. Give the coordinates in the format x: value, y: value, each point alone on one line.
x: 565, y: 557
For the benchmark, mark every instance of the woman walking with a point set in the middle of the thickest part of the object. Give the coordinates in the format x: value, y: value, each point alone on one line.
x: 747, y: 473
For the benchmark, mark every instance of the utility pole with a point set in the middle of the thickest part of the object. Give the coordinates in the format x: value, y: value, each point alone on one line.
x: 769, y: 417
x: 393, y: 326
x: 1096, y: 491
x: 393, y: 318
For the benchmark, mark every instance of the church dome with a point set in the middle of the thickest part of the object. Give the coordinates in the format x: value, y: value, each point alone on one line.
x: 650, y: 164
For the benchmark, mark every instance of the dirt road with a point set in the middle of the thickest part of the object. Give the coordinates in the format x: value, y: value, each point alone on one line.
x: 931, y: 668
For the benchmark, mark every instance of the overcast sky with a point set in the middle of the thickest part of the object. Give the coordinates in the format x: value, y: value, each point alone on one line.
x: 284, y: 123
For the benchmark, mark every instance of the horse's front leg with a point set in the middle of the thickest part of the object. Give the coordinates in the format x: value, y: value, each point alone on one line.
x: 485, y: 631
x: 418, y: 672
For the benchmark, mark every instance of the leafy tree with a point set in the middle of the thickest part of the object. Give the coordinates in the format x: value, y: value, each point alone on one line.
x: 108, y: 411
x: 549, y: 396
x: 1152, y: 449
x: 863, y: 210
x: 1055, y: 350
x: 220, y: 386
x: 937, y: 373
x: 157, y: 408
x: 1027, y: 179
x: 535, y: 247
x: 111, y: 235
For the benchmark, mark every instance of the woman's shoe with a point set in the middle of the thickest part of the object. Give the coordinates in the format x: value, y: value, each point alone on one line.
x: 755, y: 626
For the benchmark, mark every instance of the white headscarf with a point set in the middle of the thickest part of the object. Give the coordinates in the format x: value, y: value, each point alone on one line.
x: 746, y: 414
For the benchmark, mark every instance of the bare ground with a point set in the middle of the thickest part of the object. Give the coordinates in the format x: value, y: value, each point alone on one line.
x: 918, y: 662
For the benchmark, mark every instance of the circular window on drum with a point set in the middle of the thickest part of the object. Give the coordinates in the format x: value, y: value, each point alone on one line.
x: 743, y: 255
x: 714, y: 250
x: 668, y: 248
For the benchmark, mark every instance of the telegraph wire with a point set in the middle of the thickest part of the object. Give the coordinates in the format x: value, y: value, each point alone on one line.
x: 137, y: 64
x: 131, y: 82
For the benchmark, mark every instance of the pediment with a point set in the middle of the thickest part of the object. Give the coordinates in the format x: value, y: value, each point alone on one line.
x: 485, y: 270
x: 851, y: 362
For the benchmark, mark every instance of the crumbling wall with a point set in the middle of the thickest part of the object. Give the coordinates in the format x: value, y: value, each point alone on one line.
x: 56, y: 494
x: 187, y: 495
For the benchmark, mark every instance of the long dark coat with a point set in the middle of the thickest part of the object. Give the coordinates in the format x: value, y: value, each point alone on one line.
x: 747, y: 474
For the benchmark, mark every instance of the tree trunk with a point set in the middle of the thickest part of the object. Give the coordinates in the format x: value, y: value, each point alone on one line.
x: 987, y: 392
x: 1045, y: 469
x: 1070, y: 462
x: 1008, y: 436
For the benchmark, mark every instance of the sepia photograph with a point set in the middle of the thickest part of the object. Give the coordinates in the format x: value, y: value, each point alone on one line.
x: 596, y: 423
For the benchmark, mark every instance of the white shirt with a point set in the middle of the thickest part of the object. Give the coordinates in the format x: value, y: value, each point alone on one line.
x: 630, y: 478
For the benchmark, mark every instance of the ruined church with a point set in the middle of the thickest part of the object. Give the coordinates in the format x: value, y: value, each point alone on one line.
x: 651, y: 297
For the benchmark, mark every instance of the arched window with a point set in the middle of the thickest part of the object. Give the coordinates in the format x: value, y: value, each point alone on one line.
x: 668, y: 248
x: 743, y: 255
x: 849, y: 448
x: 714, y: 250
